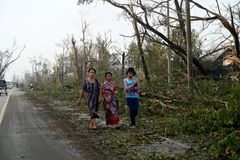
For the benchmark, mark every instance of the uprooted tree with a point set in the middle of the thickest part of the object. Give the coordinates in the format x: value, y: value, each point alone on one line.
x: 152, y: 16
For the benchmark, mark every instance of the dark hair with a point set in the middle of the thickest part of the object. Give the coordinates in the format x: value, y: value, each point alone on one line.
x: 131, y: 69
x: 108, y: 73
x: 91, y: 69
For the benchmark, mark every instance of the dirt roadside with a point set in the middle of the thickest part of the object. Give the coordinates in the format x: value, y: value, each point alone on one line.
x: 150, y: 140
x: 63, y: 121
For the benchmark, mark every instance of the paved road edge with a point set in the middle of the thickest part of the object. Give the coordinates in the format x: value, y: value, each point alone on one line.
x: 4, y: 108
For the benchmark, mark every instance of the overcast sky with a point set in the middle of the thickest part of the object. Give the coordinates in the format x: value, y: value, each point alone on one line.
x: 40, y: 24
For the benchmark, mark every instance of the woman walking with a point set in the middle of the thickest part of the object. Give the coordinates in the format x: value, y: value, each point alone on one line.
x: 91, y: 87
x: 131, y: 89
x: 110, y: 102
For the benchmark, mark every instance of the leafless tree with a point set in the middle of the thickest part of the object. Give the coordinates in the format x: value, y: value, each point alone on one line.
x: 102, y: 48
x: 9, y: 56
x: 230, y: 25
x: 41, y: 70
x: 61, y: 60
x: 87, y: 46
x: 76, y: 58
x: 140, y: 40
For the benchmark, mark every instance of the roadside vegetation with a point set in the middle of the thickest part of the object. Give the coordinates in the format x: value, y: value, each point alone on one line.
x: 171, y: 123
x: 208, y: 126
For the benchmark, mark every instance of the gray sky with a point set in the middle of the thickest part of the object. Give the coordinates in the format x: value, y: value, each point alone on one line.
x: 40, y: 24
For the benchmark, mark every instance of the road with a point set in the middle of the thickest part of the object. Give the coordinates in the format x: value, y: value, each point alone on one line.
x: 24, y: 135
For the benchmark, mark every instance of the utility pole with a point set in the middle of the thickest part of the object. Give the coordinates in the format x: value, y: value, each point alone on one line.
x: 169, y: 51
x: 189, y: 50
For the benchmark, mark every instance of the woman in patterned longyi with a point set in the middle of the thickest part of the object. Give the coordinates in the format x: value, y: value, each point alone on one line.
x: 110, y: 102
x: 91, y: 87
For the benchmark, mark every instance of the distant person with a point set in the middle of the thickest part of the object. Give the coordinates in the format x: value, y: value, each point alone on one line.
x: 31, y: 86
x: 131, y: 90
x: 5, y: 86
x: 91, y: 87
x: 110, y: 102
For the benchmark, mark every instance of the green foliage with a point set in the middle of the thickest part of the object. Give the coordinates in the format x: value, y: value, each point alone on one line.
x: 133, y: 58
x: 104, y: 56
x: 178, y: 62
x: 215, y: 110
x: 234, y: 96
x: 156, y: 59
x: 155, y: 56
x: 204, y: 120
x: 56, y: 91
x: 218, y: 89
x: 228, y: 147
x: 214, y: 113
x: 180, y: 40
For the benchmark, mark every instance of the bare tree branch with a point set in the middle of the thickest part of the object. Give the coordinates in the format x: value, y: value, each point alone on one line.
x: 226, y: 24
x: 7, y: 58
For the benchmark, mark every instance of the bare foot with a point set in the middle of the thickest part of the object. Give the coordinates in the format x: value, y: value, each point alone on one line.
x: 94, y: 126
x: 91, y: 124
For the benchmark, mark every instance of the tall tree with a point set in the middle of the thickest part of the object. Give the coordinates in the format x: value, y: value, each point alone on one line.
x: 103, y: 45
x: 87, y: 47
x: 141, y: 52
x: 76, y: 58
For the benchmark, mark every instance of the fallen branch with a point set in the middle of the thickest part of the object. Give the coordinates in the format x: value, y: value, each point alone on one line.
x: 157, y: 103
